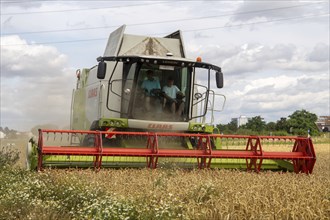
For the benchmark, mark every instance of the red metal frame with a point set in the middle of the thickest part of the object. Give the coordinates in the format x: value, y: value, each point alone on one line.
x: 302, y: 155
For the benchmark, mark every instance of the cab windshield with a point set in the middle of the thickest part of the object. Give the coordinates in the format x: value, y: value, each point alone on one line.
x: 156, y: 92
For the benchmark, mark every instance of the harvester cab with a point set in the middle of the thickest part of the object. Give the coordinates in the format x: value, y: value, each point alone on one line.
x: 129, y: 89
x: 145, y: 103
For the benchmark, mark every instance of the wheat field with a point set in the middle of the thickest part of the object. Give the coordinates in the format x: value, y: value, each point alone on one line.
x: 170, y: 193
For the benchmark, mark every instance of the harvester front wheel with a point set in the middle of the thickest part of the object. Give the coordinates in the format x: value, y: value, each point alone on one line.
x: 88, y: 140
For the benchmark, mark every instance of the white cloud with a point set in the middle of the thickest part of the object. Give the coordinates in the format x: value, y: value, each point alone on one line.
x: 28, y: 60
x: 35, y: 86
x: 320, y: 53
x: 253, y: 58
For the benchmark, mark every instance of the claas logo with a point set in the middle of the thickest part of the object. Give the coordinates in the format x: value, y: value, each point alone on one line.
x: 161, y: 126
x: 92, y: 93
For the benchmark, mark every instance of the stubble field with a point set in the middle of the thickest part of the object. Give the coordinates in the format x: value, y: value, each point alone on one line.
x: 170, y: 193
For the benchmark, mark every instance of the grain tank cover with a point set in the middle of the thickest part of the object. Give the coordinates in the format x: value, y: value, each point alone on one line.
x: 120, y: 44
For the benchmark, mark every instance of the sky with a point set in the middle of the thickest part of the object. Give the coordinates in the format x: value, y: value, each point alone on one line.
x: 274, y: 54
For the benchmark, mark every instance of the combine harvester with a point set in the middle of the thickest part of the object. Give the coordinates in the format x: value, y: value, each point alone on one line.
x: 121, y: 117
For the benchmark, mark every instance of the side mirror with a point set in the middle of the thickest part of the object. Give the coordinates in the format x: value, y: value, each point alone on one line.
x: 219, y: 79
x: 101, y: 70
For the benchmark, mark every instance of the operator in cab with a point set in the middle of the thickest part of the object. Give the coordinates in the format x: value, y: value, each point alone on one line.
x: 173, y: 98
x: 150, y: 86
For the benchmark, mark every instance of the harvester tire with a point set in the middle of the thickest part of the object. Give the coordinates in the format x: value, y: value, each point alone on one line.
x: 88, y: 140
x: 95, y: 126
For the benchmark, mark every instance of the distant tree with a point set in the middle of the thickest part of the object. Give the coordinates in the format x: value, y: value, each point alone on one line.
x: 271, y: 126
x: 255, y: 124
x: 302, y: 121
x: 232, y: 126
x: 229, y: 128
x: 298, y: 123
x: 221, y: 127
x: 282, y: 125
x: 1, y: 129
x: 6, y: 130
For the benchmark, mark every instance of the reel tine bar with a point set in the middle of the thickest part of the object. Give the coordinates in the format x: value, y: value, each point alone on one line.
x: 204, y: 149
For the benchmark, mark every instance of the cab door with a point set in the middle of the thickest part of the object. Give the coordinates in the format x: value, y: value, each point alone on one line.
x: 200, y: 94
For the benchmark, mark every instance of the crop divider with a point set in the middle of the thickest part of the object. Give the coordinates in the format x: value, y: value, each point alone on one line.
x: 254, y: 145
x: 305, y: 146
x: 152, y: 145
x: 204, y: 145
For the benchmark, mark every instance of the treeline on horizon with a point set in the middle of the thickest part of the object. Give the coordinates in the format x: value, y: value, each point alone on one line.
x: 9, y: 133
x: 300, y: 123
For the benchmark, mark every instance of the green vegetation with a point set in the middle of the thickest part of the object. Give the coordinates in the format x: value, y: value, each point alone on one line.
x: 30, y: 195
x: 8, y: 157
x: 298, y: 123
x: 33, y: 157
